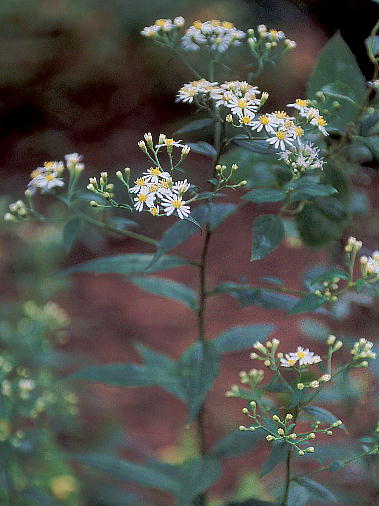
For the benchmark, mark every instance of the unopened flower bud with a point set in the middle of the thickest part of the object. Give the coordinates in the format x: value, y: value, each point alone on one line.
x: 288, y: 417
x: 267, y: 363
x: 90, y: 187
x: 337, y: 423
x: 253, y: 356
x: 229, y: 118
x: 301, y: 453
x: 312, y: 435
x: 93, y: 203
x: 281, y: 431
x: 234, y: 166
x: 142, y: 146
x: 276, y: 418
x: 331, y: 340
x: 310, y: 449
x: 300, y: 386
x: 338, y: 345
x: 245, y: 411
x: 252, y: 41
x: 269, y: 437
x: 314, y: 384
x: 119, y: 175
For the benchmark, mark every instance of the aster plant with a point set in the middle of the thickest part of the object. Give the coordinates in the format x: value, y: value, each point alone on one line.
x: 300, y: 162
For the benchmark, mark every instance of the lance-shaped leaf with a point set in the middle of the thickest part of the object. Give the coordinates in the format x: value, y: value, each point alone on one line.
x: 71, y: 230
x: 308, y: 303
x: 322, y: 414
x: 257, y: 146
x: 318, y: 491
x: 278, y: 453
x: 197, y: 124
x: 198, y: 366
x: 260, y: 195
x: 130, y: 263
x: 168, y: 289
x: 237, y: 443
x: 242, y: 338
x: 203, y: 148
x: 268, y: 232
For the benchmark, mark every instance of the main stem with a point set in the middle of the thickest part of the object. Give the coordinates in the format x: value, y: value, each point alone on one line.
x: 288, y: 479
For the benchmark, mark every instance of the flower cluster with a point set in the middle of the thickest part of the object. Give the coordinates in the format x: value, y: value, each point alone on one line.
x: 262, y: 41
x: 214, y: 35
x: 305, y: 156
x: 18, y: 211
x: 370, y: 265
x: 156, y: 187
x: 362, y: 350
x: 161, y: 27
x: 196, y: 90
x: 102, y: 188
x: 47, y: 177
x: 301, y: 357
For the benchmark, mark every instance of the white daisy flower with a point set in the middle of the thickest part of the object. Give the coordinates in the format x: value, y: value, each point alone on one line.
x: 169, y: 143
x: 138, y: 185
x: 281, y: 139
x: 320, y: 122
x: 242, y: 107
x: 181, y: 187
x: 289, y: 361
x: 300, y: 104
x: 306, y: 357
x: 45, y: 182
x: 264, y: 121
x: 275, y: 35
x: 153, y: 174
x: 144, y: 197
x: 173, y: 203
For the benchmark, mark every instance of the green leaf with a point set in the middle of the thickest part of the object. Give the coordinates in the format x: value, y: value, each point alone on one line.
x: 242, y: 338
x: 322, y: 221
x: 304, y: 189
x: 337, y: 63
x: 261, y: 297
x: 198, y: 366
x: 237, y: 443
x: 132, y: 375
x: 278, y: 453
x: 268, y: 232
x: 131, y: 473
x: 315, y: 329
x: 121, y: 223
x: 71, y: 230
x: 203, y: 148
x: 298, y: 495
x: 131, y: 263
x: 330, y: 274
x: 197, y: 124
x: 322, y: 414
x: 197, y: 475
x: 308, y: 303
x: 168, y: 289
x: 372, y: 44
x: 260, y: 195
x: 372, y: 143
x: 317, y: 490
x: 252, y: 502
x: 219, y: 213
x: 257, y: 146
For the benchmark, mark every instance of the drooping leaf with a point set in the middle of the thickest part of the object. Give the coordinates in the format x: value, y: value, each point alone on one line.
x: 197, y: 124
x: 315, y: 329
x: 203, y: 148
x: 298, y: 495
x: 305, y: 190
x: 260, y: 195
x: 261, y: 297
x: 372, y: 143
x: 168, y: 289
x: 242, y: 338
x: 237, y: 443
x: 129, y: 472
x: 130, y: 263
x: 322, y: 414
x: 121, y: 223
x: 317, y: 490
x: 197, y: 475
x: 71, y: 230
x: 219, y: 213
x: 278, y: 453
x: 257, y: 146
x: 268, y: 232
x: 198, y: 366
x: 308, y: 303
x: 337, y: 63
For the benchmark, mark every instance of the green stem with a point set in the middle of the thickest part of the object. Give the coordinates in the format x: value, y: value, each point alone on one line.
x: 288, y: 479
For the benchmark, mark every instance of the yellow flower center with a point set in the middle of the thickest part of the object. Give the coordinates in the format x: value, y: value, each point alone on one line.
x: 153, y: 188
x: 165, y: 184
x: 155, y: 172
x: 301, y: 102
x: 288, y: 123
x: 242, y: 103
x: 169, y: 142
x: 300, y: 354
x: 321, y: 121
x: 142, y: 197
x: 228, y: 25
x: 177, y: 204
x: 50, y: 177
x: 160, y: 22
x: 264, y: 120
x: 49, y: 165
x: 197, y: 24
x: 153, y: 211
x: 192, y: 93
x: 140, y: 181
x: 280, y: 114
x: 245, y: 120
x: 35, y: 173
x: 299, y: 131
x: 215, y: 22
x: 281, y: 135
x: 292, y: 361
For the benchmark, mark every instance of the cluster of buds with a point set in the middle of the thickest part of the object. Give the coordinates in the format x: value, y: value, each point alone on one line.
x: 223, y: 176
x: 163, y: 28
x: 314, y: 383
x: 101, y: 188
x: 74, y: 163
x: 262, y: 41
x: 333, y: 343
x: 18, y: 211
x: 362, y: 350
x: 329, y: 290
x: 268, y: 351
x: 252, y: 377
